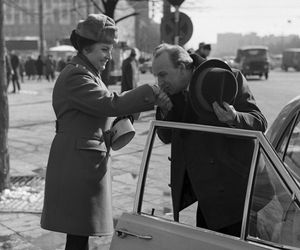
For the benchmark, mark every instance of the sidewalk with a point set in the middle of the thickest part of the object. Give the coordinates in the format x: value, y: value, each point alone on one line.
x: 30, y: 135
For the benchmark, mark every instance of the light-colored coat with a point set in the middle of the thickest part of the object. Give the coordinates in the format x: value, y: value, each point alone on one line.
x: 78, y: 180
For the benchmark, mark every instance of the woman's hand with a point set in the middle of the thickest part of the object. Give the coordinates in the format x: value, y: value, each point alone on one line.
x: 162, y: 100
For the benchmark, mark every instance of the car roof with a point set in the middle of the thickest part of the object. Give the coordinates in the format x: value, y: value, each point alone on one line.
x: 293, y: 49
x: 284, y: 116
x: 248, y: 47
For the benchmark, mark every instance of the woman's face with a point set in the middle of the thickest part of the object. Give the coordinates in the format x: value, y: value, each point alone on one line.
x: 99, y: 54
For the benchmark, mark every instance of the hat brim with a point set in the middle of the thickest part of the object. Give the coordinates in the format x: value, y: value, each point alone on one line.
x: 194, y: 98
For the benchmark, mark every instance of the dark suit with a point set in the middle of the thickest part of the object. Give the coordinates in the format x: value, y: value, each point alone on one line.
x: 129, y: 74
x: 210, y: 168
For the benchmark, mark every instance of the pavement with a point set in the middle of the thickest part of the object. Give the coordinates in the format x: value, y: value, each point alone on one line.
x: 31, y: 130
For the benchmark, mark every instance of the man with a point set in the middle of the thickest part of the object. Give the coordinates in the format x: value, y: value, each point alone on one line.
x: 209, y: 168
x: 130, y: 72
x: 15, y: 63
x: 203, y: 50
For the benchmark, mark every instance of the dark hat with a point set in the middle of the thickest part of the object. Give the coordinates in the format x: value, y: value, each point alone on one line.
x: 132, y: 52
x: 212, y: 81
x: 207, y: 46
x: 99, y: 28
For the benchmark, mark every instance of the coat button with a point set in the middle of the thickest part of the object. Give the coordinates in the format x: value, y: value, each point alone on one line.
x: 146, y: 99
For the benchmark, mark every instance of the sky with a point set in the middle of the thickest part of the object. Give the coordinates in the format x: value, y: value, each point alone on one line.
x: 264, y: 17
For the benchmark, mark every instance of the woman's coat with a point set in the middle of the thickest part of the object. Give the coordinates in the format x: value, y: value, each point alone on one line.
x: 78, y: 179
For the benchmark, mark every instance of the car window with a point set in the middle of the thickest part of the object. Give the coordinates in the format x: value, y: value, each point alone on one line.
x: 157, y: 199
x: 274, y: 212
x: 292, y: 155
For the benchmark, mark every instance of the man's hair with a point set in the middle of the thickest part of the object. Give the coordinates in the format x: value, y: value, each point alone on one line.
x: 176, y: 53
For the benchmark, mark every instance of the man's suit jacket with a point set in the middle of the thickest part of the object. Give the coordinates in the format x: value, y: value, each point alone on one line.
x: 210, y: 168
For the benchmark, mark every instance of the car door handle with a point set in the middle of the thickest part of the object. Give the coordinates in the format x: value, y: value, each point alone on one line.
x: 122, y: 233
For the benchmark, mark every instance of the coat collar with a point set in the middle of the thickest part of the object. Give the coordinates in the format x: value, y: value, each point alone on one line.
x: 84, y: 61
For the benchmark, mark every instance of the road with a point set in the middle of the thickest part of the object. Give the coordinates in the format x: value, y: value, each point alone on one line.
x: 31, y: 111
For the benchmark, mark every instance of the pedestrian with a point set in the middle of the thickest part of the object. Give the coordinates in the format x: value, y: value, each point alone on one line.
x: 22, y: 69
x: 50, y: 68
x: 9, y: 71
x: 39, y: 65
x: 77, y: 197
x: 61, y: 64
x: 15, y: 64
x: 209, y: 168
x: 30, y: 68
x: 203, y: 50
x: 130, y: 72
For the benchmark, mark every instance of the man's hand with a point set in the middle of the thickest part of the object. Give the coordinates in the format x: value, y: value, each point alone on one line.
x: 164, y: 102
x: 226, y: 114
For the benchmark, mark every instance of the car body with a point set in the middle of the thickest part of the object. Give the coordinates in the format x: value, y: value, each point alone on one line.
x: 291, y: 59
x: 275, y: 61
x: 253, y: 60
x: 269, y: 221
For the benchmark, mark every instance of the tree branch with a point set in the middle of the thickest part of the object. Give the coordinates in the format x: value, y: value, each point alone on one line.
x: 124, y: 17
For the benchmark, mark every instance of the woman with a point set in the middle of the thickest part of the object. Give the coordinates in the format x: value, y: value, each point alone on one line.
x: 78, y: 181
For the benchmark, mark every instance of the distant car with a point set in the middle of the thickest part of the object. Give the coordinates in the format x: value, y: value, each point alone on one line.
x: 275, y: 61
x: 253, y: 60
x: 291, y: 59
x: 146, y: 67
x: 271, y: 220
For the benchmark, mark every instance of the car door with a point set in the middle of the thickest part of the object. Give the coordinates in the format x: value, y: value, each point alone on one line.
x: 271, y: 210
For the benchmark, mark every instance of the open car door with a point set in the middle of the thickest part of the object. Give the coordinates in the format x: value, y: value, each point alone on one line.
x: 271, y: 219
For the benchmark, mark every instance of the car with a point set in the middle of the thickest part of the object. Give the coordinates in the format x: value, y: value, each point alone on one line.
x: 291, y: 59
x: 271, y: 219
x: 253, y: 60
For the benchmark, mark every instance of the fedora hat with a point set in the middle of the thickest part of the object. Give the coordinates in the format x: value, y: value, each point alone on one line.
x: 122, y: 132
x: 213, y: 81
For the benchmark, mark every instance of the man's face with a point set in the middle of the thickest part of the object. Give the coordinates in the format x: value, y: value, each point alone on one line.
x: 169, y: 78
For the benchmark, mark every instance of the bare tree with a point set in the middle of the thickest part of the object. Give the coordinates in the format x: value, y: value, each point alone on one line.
x: 109, y: 9
x: 4, y: 156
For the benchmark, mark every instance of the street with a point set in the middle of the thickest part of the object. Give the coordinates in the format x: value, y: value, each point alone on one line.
x: 32, y: 128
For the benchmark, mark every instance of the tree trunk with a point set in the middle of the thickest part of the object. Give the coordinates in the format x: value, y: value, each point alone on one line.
x: 4, y: 156
x: 110, y: 6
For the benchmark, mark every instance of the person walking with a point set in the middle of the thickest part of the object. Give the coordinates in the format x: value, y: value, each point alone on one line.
x: 77, y: 198
x: 39, y: 65
x: 130, y: 72
x: 15, y: 64
x: 50, y: 68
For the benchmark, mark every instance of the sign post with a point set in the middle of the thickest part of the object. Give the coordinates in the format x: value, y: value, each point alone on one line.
x: 176, y: 4
x: 178, y: 32
x: 176, y: 38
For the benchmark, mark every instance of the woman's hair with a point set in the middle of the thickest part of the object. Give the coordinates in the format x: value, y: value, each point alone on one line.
x: 176, y: 53
x: 80, y: 43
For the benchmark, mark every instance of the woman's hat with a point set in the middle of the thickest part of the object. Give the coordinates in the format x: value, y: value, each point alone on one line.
x: 212, y: 81
x: 122, y: 133
x: 99, y: 28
